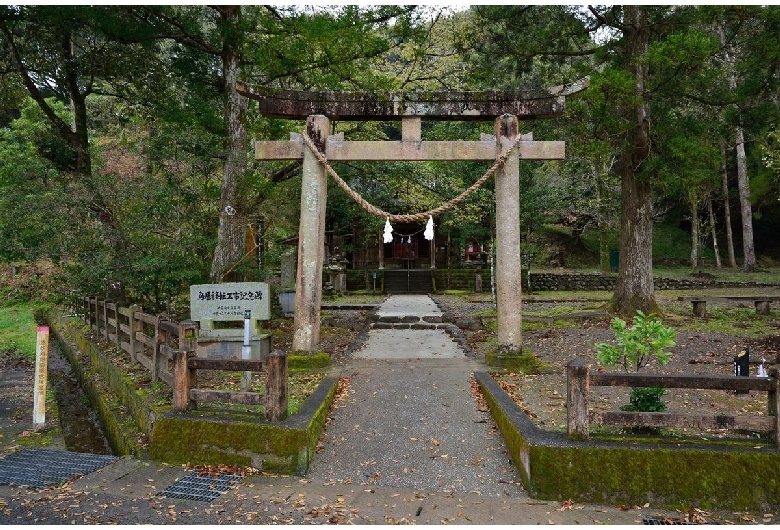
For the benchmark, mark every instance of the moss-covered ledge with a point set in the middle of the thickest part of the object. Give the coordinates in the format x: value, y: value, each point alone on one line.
x: 124, y: 415
x: 285, y: 447
x: 135, y: 427
x: 673, y: 476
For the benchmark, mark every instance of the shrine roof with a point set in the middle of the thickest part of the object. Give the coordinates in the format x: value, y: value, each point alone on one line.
x: 395, y: 105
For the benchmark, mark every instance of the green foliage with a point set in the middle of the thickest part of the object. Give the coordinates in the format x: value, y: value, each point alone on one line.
x: 17, y: 331
x: 637, y: 345
x: 646, y: 400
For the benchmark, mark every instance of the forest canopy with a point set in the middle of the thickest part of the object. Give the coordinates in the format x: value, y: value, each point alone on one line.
x: 126, y: 153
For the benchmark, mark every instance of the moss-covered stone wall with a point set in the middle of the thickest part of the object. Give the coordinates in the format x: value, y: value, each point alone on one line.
x: 285, y: 447
x: 134, y: 426
x: 124, y: 416
x: 665, y: 475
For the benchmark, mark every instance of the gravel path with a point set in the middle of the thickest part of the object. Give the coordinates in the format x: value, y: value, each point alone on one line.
x: 415, y: 424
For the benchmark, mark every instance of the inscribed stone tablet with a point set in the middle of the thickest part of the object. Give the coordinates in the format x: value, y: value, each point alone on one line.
x: 228, y: 301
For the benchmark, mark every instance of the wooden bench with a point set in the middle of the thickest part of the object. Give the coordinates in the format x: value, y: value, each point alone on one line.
x: 699, y: 303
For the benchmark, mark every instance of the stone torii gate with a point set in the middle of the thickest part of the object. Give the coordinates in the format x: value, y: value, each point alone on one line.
x: 316, y: 147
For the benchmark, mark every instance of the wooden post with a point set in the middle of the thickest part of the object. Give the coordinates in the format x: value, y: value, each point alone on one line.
x: 184, y: 378
x: 117, y: 325
x: 136, y: 326
x: 311, y: 240
x: 276, y: 386
x: 773, y: 398
x: 98, y: 316
x: 762, y: 307
x: 105, y: 320
x: 160, y: 338
x: 577, y: 388
x: 183, y: 381
x: 508, y: 279
x: 188, y: 335
x: 699, y: 308
x: 41, y: 378
x: 93, y: 318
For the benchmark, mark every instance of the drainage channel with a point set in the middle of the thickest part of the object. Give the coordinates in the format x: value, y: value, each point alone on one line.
x: 79, y: 422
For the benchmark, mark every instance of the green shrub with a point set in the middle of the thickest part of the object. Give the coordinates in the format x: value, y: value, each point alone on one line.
x: 635, y: 347
x: 645, y: 400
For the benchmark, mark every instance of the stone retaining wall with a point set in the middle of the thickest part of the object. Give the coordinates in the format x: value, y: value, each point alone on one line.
x: 465, y: 279
x: 598, y: 281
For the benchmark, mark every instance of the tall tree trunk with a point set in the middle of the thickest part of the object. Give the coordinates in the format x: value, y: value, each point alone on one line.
x: 714, y: 233
x: 743, y: 186
x: 634, y: 288
x: 748, y: 250
x: 231, y: 235
x: 727, y: 208
x: 79, y: 137
x: 601, y: 220
x: 693, y: 201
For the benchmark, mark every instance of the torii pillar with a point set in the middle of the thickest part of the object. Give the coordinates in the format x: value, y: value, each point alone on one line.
x: 311, y: 240
x: 507, y: 269
x: 506, y: 108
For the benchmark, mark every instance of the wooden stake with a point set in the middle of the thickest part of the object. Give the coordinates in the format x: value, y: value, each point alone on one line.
x: 41, y: 376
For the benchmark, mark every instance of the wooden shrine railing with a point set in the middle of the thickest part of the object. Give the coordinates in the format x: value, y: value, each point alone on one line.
x: 579, y: 380
x: 167, y: 350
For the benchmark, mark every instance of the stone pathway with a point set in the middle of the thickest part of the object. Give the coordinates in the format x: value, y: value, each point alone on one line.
x: 410, y: 419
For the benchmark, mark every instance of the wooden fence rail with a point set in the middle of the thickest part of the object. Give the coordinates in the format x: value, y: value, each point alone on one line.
x: 186, y: 396
x: 579, y: 380
x: 158, y: 344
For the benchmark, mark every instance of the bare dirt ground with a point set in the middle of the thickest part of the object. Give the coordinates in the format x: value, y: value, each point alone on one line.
x: 557, y: 342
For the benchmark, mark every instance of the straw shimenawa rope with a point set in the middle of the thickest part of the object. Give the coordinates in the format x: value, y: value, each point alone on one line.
x: 370, y: 208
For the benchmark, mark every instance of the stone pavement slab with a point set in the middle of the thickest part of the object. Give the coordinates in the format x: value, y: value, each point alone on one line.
x: 409, y: 344
x: 408, y: 305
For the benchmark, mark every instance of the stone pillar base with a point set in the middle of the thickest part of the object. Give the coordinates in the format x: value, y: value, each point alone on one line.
x: 522, y: 361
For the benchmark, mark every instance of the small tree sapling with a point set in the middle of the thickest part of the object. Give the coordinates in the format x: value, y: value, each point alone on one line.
x: 635, y: 347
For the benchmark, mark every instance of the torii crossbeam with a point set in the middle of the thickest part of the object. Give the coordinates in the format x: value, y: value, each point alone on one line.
x: 319, y: 108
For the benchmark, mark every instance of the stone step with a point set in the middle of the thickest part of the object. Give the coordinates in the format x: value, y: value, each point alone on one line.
x: 419, y: 324
x: 410, y: 319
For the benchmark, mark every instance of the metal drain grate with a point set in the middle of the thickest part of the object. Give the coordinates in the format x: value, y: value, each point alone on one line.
x: 197, y: 487
x: 43, y: 468
x: 663, y: 520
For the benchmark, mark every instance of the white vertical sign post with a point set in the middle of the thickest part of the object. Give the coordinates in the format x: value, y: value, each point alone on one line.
x: 246, y: 351
x: 41, y: 373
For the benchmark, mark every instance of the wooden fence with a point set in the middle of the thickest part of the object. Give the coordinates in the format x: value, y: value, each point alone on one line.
x: 167, y: 350
x: 579, y: 380
x: 186, y: 395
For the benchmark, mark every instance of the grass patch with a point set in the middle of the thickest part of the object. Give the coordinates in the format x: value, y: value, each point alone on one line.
x: 18, y: 330
x: 356, y: 297
x: 765, y: 275
x: 570, y: 296
x: 457, y: 292
x: 555, y: 324
x: 739, y: 321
